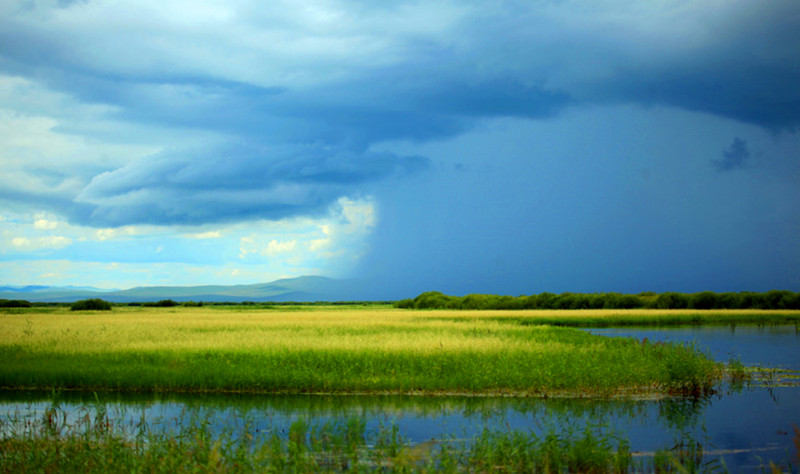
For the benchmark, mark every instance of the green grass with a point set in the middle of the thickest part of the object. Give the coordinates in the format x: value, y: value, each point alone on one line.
x: 336, y: 350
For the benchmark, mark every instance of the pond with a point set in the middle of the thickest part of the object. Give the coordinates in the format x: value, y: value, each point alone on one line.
x: 743, y: 427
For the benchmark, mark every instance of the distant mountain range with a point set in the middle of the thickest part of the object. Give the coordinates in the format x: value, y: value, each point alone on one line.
x: 305, y: 289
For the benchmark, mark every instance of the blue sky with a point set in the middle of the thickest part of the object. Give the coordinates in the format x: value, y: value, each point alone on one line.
x: 508, y: 147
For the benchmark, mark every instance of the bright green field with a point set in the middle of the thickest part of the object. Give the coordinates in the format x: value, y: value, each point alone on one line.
x: 342, y: 350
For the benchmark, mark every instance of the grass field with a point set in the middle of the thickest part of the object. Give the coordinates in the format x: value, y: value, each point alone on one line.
x: 347, y: 350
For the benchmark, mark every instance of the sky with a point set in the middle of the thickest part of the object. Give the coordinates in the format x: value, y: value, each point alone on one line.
x: 508, y: 147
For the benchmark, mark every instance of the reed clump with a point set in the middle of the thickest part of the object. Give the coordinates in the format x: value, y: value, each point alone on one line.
x: 97, y: 443
x: 94, y: 441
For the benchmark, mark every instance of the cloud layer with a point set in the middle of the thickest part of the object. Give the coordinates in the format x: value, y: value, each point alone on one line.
x: 295, y: 96
x: 233, y: 184
x: 115, y: 115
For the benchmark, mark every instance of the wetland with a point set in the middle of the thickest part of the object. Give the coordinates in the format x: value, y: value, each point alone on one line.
x: 735, y: 423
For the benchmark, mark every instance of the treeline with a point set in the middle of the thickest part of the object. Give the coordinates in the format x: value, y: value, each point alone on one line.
x: 775, y: 299
x: 259, y: 305
x: 166, y: 303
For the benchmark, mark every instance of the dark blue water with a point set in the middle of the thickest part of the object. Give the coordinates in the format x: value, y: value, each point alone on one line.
x: 744, y: 427
x: 766, y: 346
x: 756, y: 418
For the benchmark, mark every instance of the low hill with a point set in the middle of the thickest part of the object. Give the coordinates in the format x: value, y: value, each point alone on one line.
x: 305, y: 289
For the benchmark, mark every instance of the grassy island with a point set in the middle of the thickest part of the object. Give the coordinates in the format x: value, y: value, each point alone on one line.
x: 339, y: 350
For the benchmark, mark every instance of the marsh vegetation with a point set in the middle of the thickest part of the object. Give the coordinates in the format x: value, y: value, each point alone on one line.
x: 94, y: 441
x: 336, y: 350
x: 357, y: 349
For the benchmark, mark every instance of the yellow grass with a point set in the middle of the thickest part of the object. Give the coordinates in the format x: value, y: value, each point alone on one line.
x: 339, y: 349
x: 138, y: 328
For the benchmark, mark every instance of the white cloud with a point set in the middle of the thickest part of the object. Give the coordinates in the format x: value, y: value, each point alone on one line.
x: 344, y: 236
x: 214, y: 234
x: 41, y: 243
x: 44, y: 224
x: 320, y: 244
x: 266, y: 43
x: 333, y: 243
x: 105, y: 234
x: 126, y: 231
x: 241, y: 252
x: 20, y: 242
x: 246, y: 245
x: 358, y: 215
x: 35, y: 149
x: 275, y: 247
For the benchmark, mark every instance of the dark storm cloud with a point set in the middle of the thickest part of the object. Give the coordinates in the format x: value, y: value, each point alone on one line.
x: 742, y: 92
x: 741, y: 65
x: 515, y: 60
x: 269, y: 83
x: 233, y: 183
x: 498, y: 97
x: 734, y: 156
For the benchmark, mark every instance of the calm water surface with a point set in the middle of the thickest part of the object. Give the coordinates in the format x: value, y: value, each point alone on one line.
x: 744, y: 427
x: 766, y: 346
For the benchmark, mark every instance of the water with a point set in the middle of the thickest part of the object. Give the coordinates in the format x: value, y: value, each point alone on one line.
x: 765, y: 346
x: 744, y: 427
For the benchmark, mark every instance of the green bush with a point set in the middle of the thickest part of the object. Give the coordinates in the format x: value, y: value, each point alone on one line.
x: 546, y: 300
x: 432, y: 299
x: 14, y: 303
x: 474, y: 301
x: 93, y: 304
x: 162, y: 303
x: 704, y: 300
x: 729, y: 300
x: 406, y: 303
x: 671, y: 300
